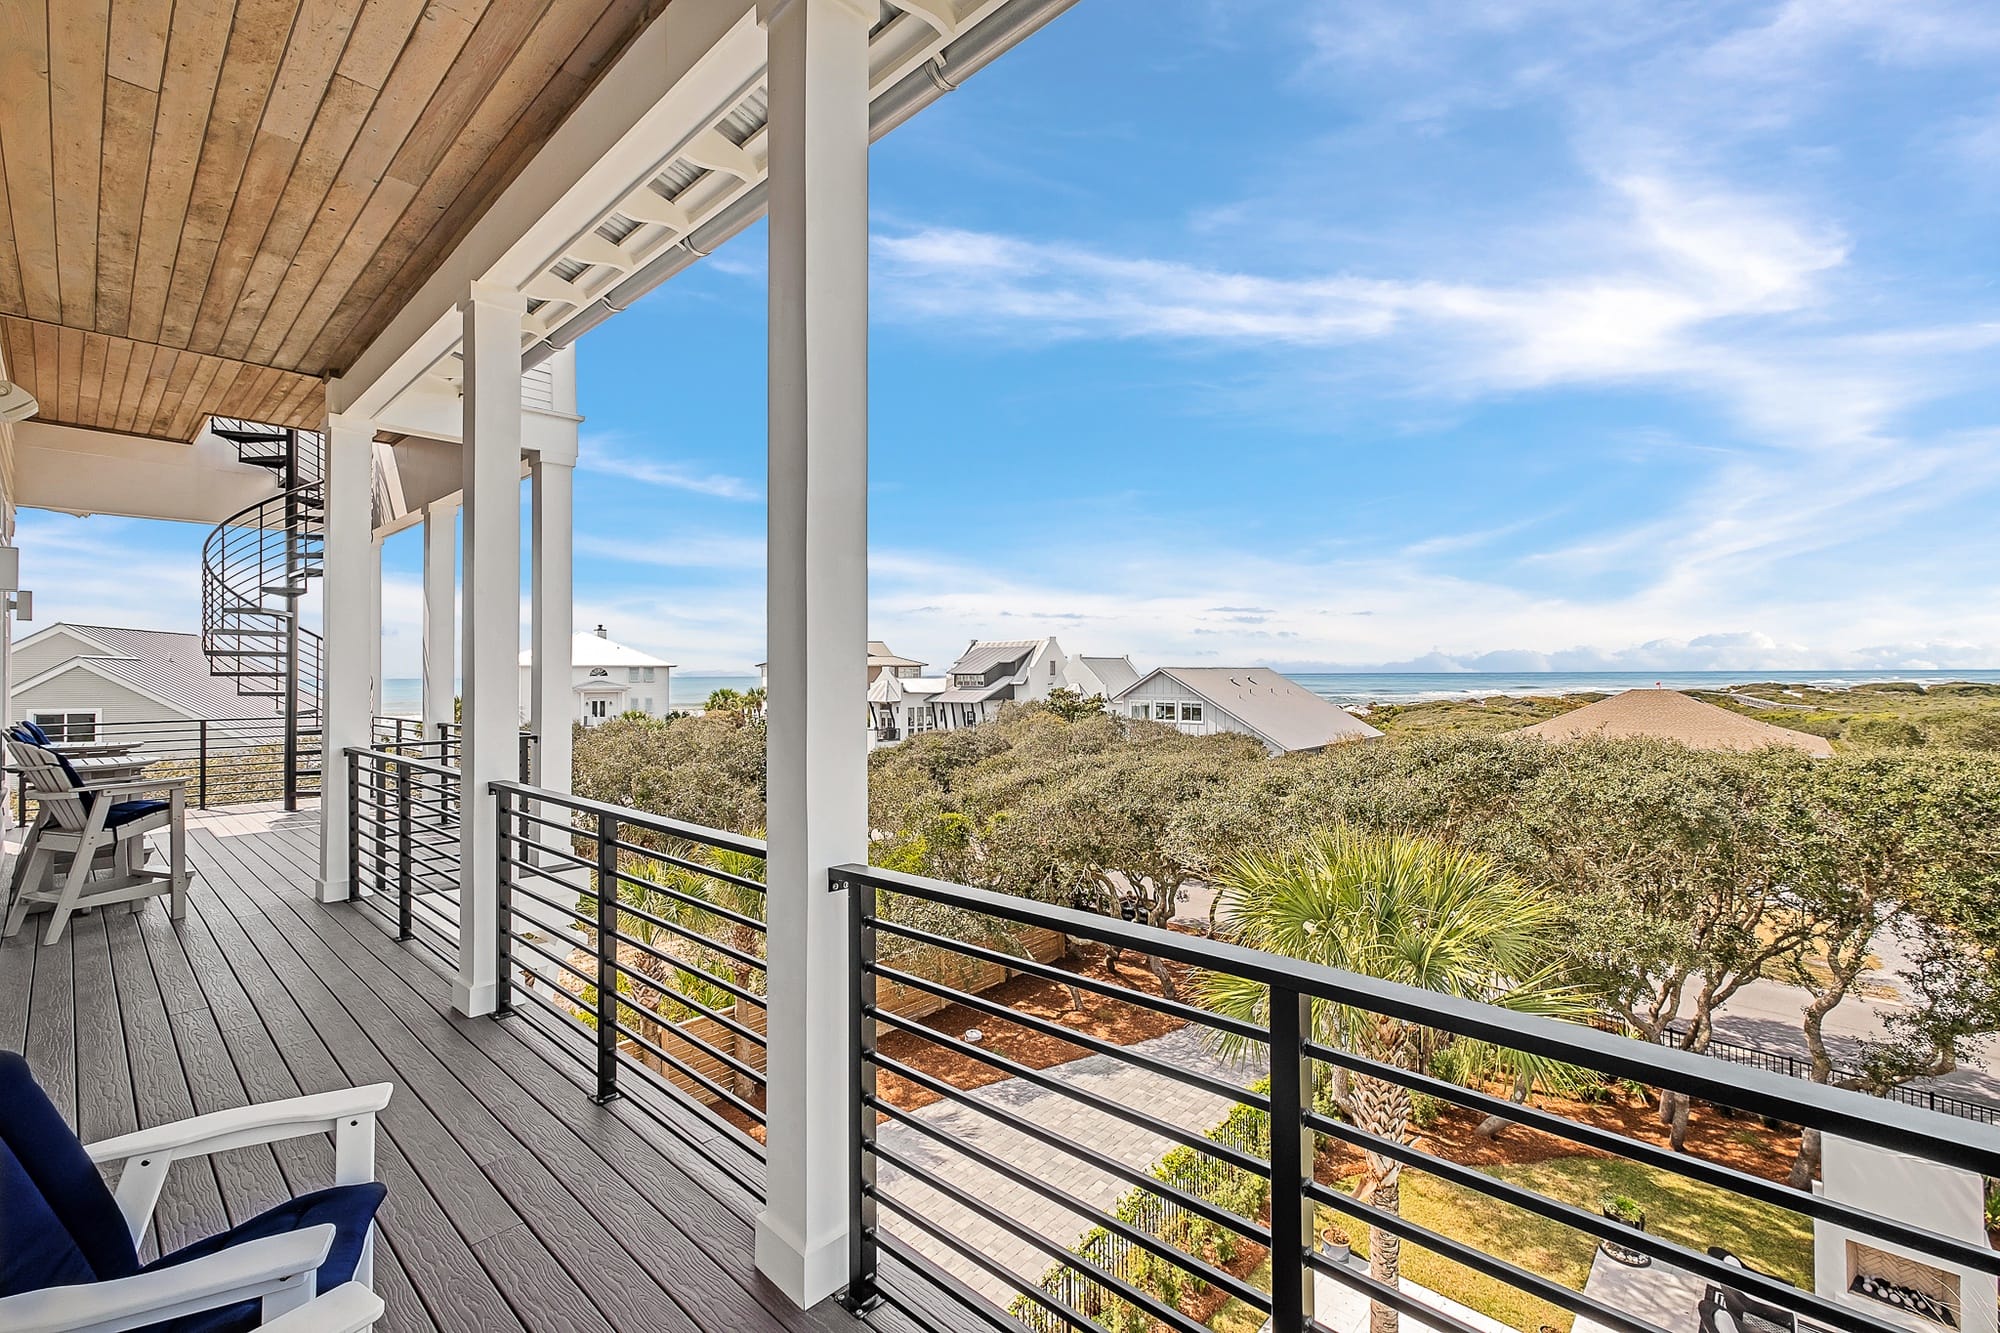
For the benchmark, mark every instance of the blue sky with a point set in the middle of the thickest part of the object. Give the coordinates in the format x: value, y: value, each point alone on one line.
x: 1516, y: 334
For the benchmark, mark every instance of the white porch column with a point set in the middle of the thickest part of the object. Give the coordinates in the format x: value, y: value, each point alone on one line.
x: 350, y: 565
x: 440, y: 614
x: 375, y: 687
x: 492, y: 610
x: 551, y: 700
x: 817, y: 618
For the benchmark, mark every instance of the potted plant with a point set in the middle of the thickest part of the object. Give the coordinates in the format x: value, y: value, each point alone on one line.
x: 1625, y: 1211
x: 1333, y: 1243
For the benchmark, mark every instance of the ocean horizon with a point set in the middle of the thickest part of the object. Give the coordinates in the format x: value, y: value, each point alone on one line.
x: 403, y: 695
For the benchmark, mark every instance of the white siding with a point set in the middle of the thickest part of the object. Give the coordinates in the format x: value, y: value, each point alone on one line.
x: 1165, y: 689
x: 52, y: 650
x: 78, y: 690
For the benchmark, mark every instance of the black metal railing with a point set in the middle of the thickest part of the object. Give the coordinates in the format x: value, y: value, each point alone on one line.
x: 1794, y: 1065
x: 225, y: 761
x: 403, y: 836
x: 638, y: 943
x: 1342, y: 1051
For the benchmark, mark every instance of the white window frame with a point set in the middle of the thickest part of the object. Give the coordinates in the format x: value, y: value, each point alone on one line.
x: 1190, y: 712
x: 1166, y: 711
x: 58, y: 721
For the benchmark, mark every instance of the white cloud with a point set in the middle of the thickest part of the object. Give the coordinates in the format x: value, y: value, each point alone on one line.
x: 606, y: 453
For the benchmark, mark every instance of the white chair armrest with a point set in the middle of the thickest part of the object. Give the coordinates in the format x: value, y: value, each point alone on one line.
x: 348, y: 1114
x: 245, y: 1126
x: 277, y: 1270
x: 130, y: 784
x: 348, y: 1308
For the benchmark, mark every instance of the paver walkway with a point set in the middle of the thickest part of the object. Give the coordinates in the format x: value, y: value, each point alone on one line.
x: 1193, y: 1109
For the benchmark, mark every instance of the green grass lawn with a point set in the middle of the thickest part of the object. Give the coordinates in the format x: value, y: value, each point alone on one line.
x: 1692, y: 1214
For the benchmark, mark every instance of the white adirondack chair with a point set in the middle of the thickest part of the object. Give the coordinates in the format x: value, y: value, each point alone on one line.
x: 102, y: 827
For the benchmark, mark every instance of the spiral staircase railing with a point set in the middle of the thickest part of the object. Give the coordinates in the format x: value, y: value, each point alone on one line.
x: 257, y: 567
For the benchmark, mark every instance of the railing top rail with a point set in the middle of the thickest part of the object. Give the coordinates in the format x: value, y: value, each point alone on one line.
x: 407, y: 761
x: 1856, y: 1115
x: 673, y: 828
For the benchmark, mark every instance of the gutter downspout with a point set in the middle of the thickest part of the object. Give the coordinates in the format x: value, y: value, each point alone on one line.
x: 1008, y: 26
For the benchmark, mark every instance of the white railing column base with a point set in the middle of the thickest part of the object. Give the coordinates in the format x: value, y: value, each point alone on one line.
x: 817, y: 620
x: 349, y: 568
x: 492, y: 634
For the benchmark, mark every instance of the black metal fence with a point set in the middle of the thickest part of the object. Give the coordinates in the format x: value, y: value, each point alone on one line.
x: 225, y: 761
x: 638, y: 943
x: 1793, y: 1065
x: 403, y: 845
x: 939, y: 1193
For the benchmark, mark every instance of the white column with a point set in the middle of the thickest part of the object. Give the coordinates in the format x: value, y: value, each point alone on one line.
x: 440, y: 614
x: 350, y: 566
x: 375, y: 687
x: 551, y: 700
x: 817, y: 618
x: 492, y: 610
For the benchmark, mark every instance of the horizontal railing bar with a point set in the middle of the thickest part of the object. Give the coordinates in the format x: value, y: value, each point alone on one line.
x: 1393, y: 1297
x: 1081, y: 1040
x: 1890, y: 1124
x: 1227, y: 1281
x: 734, y: 917
x: 1048, y: 972
x: 1090, y: 1156
x: 1058, y: 1253
x: 1983, y: 1258
x: 1775, y: 1290
x: 749, y: 960
x: 727, y: 877
x: 694, y: 969
x: 659, y: 824
x: 701, y: 1080
x: 714, y: 1015
x: 1026, y: 1287
x: 383, y: 757
x: 1555, y: 1293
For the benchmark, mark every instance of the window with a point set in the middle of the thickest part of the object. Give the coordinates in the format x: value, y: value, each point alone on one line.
x: 68, y: 726
x: 631, y: 675
x: 1163, y: 712
x: 646, y: 674
x: 968, y: 682
x: 1052, y: 668
x: 598, y: 708
x: 1142, y: 710
x: 1190, y: 712
x: 646, y: 703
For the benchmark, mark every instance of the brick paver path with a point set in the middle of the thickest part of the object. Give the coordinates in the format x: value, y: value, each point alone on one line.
x: 1196, y: 1110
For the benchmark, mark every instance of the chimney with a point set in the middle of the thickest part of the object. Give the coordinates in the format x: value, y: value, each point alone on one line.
x: 601, y: 634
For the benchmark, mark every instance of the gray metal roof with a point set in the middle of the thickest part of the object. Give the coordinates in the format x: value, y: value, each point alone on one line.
x: 167, y: 665
x: 985, y: 654
x: 1276, y: 707
x: 1115, y: 674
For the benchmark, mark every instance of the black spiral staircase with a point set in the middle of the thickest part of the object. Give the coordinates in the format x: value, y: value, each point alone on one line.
x: 256, y: 568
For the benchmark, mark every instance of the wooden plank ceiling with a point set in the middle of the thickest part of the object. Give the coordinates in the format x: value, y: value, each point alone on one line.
x: 208, y: 205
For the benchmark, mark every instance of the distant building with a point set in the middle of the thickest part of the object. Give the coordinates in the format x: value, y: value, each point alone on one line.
x: 608, y: 679
x: 901, y: 706
x: 882, y: 662
x: 1669, y: 715
x: 1107, y: 676
x: 1255, y: 701
x: 992, y: 672
x: 70, y: 679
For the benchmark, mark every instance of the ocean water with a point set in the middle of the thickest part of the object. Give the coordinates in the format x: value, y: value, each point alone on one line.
x: 1353, y: 688
x: 403, y: 695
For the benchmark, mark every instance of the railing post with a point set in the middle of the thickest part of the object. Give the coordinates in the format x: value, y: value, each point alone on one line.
x: 353, y: 823
x: 503, y: 908
x: 1291, y: 1159
x: 201, y: 770
x: 403, y: 842
x: 862, y: 1294
x: 607, y: 952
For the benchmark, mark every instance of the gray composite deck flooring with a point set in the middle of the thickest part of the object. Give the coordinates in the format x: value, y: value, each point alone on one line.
x: 515, y: 1202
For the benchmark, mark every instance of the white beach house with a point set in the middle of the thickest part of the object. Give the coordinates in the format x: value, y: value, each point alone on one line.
x: 607, y: 679
x: 1256, y: 701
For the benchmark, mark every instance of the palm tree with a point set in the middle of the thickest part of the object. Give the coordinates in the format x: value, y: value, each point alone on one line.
x: 1403, y: 909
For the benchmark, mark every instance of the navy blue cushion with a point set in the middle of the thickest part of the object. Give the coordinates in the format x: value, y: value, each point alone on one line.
x: 34, y: 730
x: 35, y: 1249
x: 53, y: 1159
x: 126, y: 811
x: 350, y: 1208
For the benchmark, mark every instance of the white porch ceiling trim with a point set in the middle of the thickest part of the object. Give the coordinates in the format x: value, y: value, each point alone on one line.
x: 670, y: 138
x: 75, y: 471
